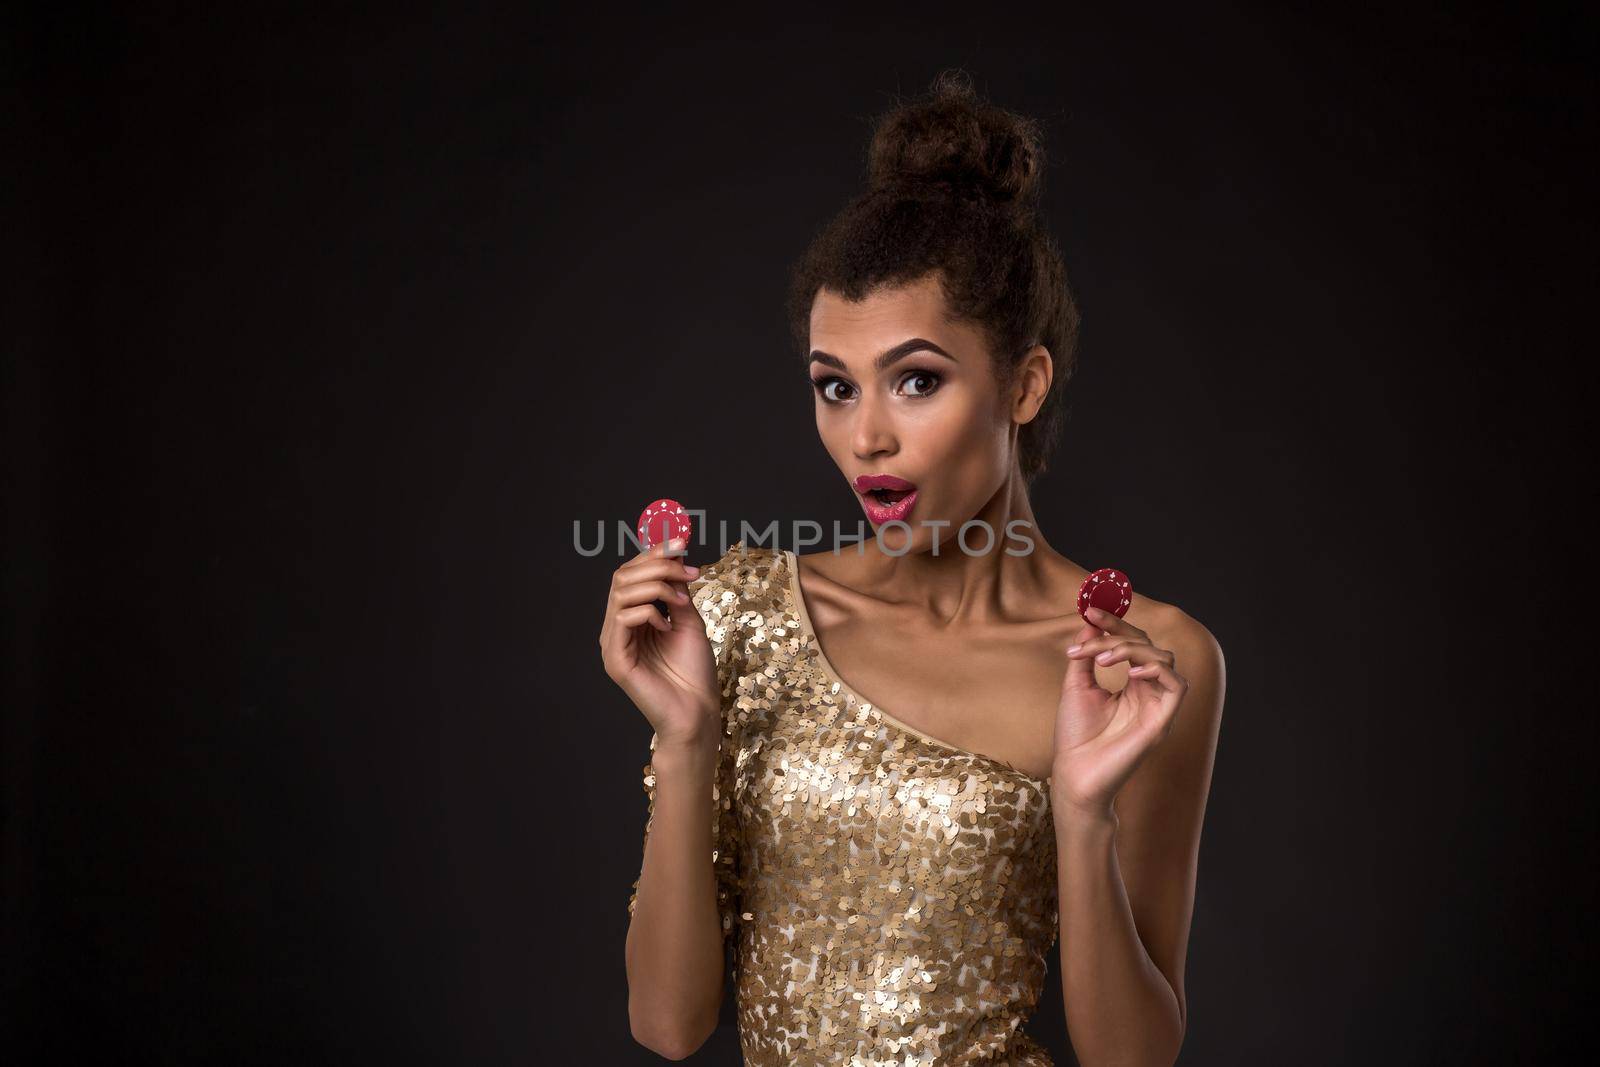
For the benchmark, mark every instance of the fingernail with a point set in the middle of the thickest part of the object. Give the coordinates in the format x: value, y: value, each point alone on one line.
x: 1094, y: 612
x: 1102, y: 657
x: 692, y: 570
x: 1073, y: 648
x: 675, y: 543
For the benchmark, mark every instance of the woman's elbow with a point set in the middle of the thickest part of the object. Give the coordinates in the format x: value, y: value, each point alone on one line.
x: 670, y: 1042
x: 673, y: 1033
x: 674, y: 1014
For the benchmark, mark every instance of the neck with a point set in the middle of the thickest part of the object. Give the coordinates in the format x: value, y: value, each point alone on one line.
x: 960, y: 586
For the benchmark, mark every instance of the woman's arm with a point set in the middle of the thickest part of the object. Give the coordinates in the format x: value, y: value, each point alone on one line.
x: 674, y: 948
x: 682, y: 906
x: 1126, y: 876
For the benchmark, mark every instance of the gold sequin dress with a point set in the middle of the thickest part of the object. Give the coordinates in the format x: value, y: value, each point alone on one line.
x: 891, y: 898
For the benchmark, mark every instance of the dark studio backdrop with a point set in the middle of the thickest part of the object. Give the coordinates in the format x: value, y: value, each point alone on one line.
x: 322, y: 330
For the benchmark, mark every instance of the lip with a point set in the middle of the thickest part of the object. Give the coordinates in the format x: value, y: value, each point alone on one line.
x: 864, y: 482
x: 880, y: 513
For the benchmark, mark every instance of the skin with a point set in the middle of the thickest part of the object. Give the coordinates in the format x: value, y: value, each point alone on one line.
x: 1121, y: 716
x: 673, y: 954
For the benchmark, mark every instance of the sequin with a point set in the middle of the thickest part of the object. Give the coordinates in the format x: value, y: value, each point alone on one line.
x: 890, y: 899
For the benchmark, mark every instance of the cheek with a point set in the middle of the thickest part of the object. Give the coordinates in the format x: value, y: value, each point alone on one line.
x: 968, y: 431
x: 974, y: 449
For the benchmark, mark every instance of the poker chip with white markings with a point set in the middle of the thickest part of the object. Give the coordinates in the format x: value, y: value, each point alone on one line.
x: 1107, y: 589
x: 663, y: 520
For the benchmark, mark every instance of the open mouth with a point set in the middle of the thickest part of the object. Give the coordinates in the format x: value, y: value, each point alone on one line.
x: 885, y: 496
x: 888, y: 496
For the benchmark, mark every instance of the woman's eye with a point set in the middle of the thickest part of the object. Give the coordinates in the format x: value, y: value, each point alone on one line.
x: 827, y: 388
x: 926, y: 382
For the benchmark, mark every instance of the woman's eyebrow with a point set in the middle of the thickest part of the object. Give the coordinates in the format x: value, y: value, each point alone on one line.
x: 899, y: 351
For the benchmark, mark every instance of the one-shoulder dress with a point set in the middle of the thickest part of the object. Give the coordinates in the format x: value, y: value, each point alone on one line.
x: 887, y: 897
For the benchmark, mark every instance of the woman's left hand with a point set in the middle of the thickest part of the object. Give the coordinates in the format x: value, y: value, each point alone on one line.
x: 1101, y: 736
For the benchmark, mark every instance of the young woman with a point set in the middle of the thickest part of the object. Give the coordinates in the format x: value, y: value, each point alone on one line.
x: 887, y: 880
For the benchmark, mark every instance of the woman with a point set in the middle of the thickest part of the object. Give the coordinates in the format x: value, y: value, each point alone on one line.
x: 889, y: 882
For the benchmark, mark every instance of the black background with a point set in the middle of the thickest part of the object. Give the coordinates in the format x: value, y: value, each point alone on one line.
x: 322, y: 330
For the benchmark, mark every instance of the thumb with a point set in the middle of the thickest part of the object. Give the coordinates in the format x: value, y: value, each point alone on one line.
x: 685, y: 615
x: 1080, y: 669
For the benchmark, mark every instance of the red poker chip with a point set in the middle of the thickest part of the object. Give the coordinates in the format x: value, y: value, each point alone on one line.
x: 662, y: 520
x: 1107, y: 589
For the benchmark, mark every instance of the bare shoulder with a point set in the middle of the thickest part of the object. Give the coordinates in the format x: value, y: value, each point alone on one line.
x: 1161, y: 809
x: 1184, y: 760
x: 1196, y: 652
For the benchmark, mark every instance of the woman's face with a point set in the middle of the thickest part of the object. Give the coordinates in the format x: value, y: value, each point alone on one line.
x: 902, y: 391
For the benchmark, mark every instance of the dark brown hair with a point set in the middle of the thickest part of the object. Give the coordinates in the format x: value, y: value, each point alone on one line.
x: 953, y: 186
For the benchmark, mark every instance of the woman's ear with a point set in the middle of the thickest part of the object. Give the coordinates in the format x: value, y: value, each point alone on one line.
x: 1033, y: 376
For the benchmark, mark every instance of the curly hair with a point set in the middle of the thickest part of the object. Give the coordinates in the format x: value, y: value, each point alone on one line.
x: 953, y: 185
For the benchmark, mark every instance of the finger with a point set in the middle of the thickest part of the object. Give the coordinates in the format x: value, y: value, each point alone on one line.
x: 619, y: 632
x: 675, y: 556
x: 673, y: 548
x: 1133, y: 652
x: 1110, y: 623
x: 1080, y: 667
x: 678, y: 550
x: 1092, y: 646
x: 637, y: 579
x: 645, y: 592
x: 643, y: 614
x: 664, y: 573
x: 661, y: 570
x: 655, y: 551
x: 1162, y: 673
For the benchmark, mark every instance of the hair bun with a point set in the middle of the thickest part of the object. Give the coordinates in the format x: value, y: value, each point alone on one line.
x: 950, y: 136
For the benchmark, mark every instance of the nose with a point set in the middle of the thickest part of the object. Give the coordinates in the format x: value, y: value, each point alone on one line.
x: 872, y: 431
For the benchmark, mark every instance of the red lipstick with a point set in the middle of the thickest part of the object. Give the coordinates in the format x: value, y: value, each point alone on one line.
x: 885, y: 497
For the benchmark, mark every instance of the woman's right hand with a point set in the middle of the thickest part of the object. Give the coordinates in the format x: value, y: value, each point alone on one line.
x: 667, y: 668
